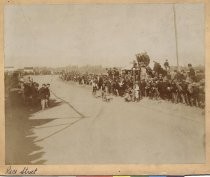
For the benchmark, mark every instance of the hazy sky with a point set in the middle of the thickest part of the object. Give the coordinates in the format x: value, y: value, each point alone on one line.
x: 110, y: 35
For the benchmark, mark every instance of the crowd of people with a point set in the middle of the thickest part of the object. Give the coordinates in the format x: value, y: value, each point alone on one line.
x: 177, y: 86
x: 30, y: 92
x: 158, y: 83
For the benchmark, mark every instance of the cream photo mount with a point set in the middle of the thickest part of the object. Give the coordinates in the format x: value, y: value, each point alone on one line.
x: 105, y: 169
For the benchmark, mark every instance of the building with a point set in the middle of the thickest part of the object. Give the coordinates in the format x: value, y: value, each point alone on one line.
x: 9, y: 69
x: 28, y: 70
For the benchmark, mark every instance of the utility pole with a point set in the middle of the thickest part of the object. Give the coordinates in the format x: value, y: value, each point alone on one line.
x: 175, y: 30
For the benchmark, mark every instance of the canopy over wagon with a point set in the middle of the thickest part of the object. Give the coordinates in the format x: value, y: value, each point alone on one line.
x: 143, y: 59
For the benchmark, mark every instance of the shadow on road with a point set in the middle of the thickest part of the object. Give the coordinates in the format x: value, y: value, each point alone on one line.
x: 20, y: 147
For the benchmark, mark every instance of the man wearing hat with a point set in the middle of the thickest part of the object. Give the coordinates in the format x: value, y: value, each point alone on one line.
x: 166, y: 65
x: 191, y: 72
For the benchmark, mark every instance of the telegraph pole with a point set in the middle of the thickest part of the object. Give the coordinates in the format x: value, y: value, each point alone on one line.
x: 175, y: 30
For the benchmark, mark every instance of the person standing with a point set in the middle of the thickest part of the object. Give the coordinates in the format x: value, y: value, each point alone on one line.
x: 100, y: 81
x: 166, y: 65
x: 42, y: 95
x: 191, y: 72
x: 103, y: 92
x: 47, y: 93
x: 35, y: 93
x: 94, y: 85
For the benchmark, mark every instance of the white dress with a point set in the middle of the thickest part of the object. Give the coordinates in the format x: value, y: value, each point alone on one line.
x: 136, y: 91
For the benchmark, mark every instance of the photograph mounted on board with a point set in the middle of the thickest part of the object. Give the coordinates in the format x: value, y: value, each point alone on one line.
x: 104, y: 84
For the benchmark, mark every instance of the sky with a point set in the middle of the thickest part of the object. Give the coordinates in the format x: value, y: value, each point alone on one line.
x: 102, y: 34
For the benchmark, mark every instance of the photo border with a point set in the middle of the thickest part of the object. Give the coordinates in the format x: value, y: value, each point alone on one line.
x: 109, y: 169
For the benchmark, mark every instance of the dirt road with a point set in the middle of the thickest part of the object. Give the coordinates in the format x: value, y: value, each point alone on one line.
x: 82, y: 129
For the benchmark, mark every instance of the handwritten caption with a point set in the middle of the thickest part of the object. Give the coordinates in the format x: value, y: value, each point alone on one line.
x: 24, y: 171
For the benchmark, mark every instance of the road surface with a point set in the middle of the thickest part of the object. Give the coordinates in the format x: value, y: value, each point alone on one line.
x: 81, y: 129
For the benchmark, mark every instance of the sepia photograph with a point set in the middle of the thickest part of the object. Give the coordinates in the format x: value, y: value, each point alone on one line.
x: 104, y: 83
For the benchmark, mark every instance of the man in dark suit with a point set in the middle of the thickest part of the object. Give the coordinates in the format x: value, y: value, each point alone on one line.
x: 191, y: 72
x: 47, y: 93
x: 166, y: 65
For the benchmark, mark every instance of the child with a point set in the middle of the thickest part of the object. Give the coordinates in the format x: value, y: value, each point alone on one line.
x: 42, y: 95
x: 136, y: 92
x: 128, y: 94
